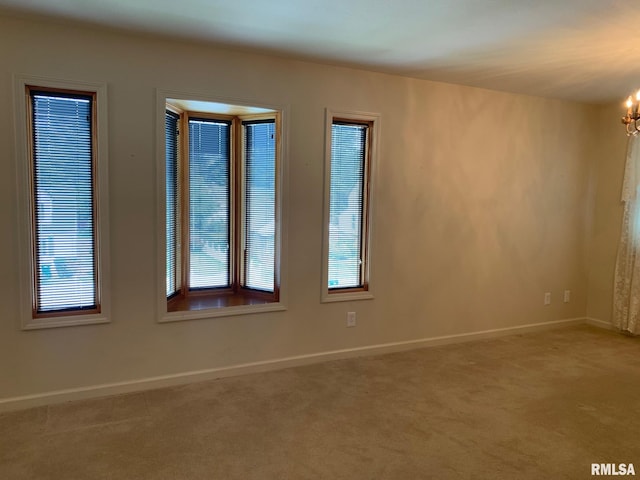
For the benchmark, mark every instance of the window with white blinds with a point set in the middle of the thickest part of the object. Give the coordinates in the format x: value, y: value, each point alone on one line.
x: 64, y: 209
x: 350, y: 157
x: 173, y: 202
x: 260, y: 202
x: 221, y: 201
x: 209, y: 203
x: 348, y: 205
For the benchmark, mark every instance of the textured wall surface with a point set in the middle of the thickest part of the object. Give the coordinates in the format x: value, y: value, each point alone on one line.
x: 611, y: 152
x: 483, y: 204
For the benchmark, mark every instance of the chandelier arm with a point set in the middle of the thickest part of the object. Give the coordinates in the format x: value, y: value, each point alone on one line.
x: 631, y: 119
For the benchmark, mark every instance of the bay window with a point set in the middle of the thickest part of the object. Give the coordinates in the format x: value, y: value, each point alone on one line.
x: 222, y: 197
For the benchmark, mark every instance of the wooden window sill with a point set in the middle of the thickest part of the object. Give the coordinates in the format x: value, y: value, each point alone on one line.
x: 205, y: 301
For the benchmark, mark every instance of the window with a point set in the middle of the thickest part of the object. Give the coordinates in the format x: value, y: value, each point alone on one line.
x: 62, y: 212
x: 222, y: 206
x: 349, y: 164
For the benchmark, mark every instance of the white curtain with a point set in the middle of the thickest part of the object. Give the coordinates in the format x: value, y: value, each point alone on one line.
x: 626, y: 290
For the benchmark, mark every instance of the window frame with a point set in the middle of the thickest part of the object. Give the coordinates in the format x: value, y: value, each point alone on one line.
x: 30, y: 318
x: 223, y: 301
x: 178, y: 206
x: 184, y: 172
x: 365, y: 291
x: 241, y: 201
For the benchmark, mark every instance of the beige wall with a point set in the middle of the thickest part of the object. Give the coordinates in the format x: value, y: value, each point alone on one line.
x: 482, y: 206
x: 611, y: 151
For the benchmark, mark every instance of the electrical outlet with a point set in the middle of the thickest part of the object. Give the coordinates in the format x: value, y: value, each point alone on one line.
x: 547, y: 298
x: 567, y: 296
x: 351, y: 319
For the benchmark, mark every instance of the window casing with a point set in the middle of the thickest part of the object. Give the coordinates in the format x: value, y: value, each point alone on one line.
x: 61, y: 154
x: 351, y: 139
x: 222, y: 200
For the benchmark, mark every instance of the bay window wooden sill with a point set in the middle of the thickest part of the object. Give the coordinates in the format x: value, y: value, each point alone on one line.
x: 195, y: 301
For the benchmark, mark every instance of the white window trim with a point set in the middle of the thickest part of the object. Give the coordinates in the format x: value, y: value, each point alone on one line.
x: 163, y: 316
x: 330, y: 114
x: 24, y: 181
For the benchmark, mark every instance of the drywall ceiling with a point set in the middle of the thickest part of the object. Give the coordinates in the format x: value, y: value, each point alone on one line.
x: 580, y: 50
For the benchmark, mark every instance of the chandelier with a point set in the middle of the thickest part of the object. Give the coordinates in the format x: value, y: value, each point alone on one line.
x: 630, y: 120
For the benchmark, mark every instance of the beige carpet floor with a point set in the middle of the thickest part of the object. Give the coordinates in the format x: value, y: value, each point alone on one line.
x: 536, y: 406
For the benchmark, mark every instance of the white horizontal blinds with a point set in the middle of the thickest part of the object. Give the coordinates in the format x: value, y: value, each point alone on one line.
x: 65, y: 263
x: 260, y: 200
x: 172, y: 205
x: 209, y: 202
x: 348, y: 156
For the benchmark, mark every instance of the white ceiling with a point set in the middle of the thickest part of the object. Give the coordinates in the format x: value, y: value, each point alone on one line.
x: 585, y: 50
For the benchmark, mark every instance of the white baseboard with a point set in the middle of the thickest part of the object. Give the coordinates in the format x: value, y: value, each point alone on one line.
x: 59, y: 396
x: 594, y: 322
